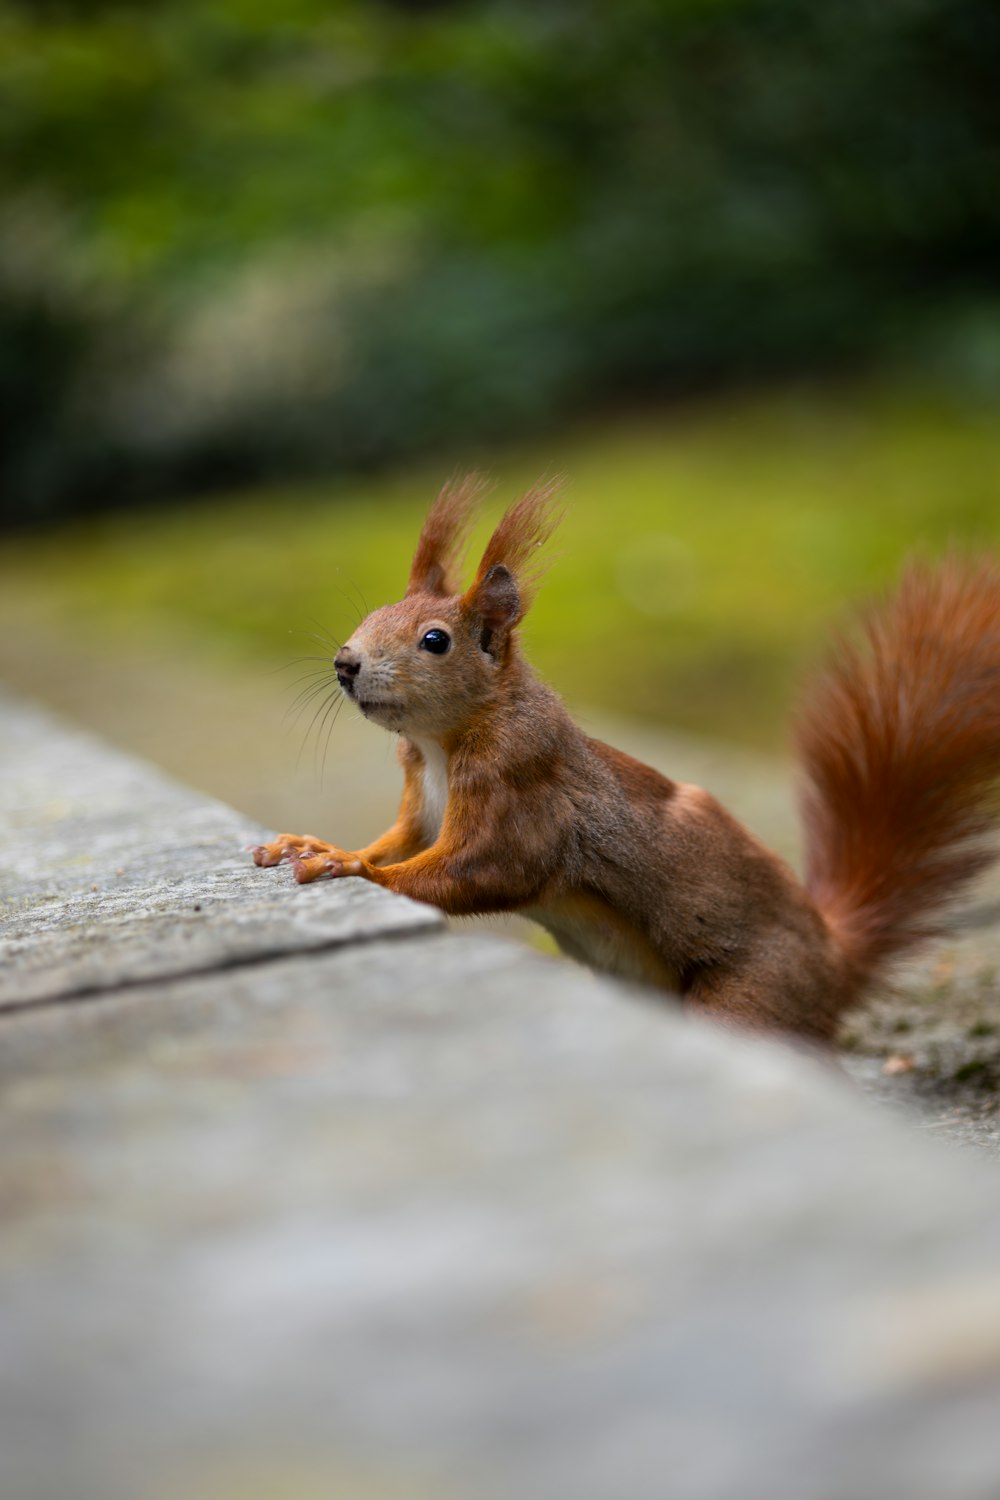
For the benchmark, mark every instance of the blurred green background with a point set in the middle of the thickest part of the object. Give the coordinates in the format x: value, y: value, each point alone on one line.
x: 269, y: 273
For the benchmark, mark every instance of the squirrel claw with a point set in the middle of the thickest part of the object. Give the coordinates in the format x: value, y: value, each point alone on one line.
x: 314, y: 867
x: 263, y: 854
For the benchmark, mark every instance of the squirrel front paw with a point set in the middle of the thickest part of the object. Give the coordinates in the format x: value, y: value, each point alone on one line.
x: 310, y: 858
x: 312, y: 866
x: 294, y: 847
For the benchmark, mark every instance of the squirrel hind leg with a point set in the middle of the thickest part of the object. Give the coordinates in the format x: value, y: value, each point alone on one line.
x: 764, y: 997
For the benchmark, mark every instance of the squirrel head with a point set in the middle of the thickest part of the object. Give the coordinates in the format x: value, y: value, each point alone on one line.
x: 429, y: 664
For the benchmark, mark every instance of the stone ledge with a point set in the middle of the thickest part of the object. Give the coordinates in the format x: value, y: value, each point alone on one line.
x: 437, y: 1216
x: 114, y: 874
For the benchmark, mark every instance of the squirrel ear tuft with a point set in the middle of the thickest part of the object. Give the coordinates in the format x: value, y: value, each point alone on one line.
x: 443, y: 536
x: 510, y: 569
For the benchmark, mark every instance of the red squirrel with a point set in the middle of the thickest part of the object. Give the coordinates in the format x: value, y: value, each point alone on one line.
x: 509, y: 806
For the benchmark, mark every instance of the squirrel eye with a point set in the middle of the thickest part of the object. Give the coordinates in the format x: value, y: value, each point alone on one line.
x: 436, y: 641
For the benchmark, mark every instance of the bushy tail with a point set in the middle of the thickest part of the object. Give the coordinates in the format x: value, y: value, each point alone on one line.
x: 900, y: 743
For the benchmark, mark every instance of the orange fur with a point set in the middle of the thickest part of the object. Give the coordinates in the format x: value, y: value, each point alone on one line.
x: 508, y: 806
x: 518, y: 539
x: 443, y: 537
x: 900, y: 742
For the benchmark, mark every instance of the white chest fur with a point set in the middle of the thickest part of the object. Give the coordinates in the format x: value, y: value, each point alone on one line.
x: 434, y: 782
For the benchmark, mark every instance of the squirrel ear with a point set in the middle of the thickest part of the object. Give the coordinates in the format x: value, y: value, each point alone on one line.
x: 508, y: 573
x: 497, y: 598
x: 496, y: 602
x: 443, y: 537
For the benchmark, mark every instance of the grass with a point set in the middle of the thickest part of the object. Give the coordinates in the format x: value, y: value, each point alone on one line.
x: 705, y: 551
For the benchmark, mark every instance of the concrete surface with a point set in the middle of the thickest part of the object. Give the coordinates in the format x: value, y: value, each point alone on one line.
x: 115, y: 874
x: 357, y: 1207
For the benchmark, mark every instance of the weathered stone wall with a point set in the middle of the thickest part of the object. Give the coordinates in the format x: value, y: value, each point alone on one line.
x: 304, y: 1196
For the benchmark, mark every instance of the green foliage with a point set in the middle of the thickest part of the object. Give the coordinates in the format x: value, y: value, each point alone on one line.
x: 703, y: 557
x: 316, y: 236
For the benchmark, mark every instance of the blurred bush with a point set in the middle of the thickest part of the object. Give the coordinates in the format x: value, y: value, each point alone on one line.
x: 243, y: 240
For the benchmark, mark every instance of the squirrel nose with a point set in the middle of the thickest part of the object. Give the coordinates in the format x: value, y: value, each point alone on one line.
x: 347, y: 665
